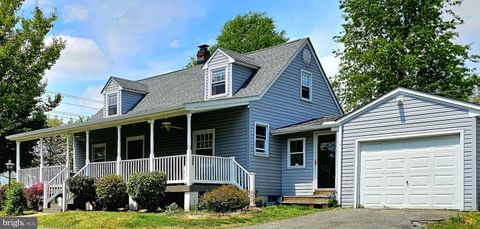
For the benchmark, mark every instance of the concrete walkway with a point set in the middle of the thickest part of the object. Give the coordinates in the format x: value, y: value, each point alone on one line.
x: 360, y: 218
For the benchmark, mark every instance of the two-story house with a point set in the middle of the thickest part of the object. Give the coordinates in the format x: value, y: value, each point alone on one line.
x: 268, y: 122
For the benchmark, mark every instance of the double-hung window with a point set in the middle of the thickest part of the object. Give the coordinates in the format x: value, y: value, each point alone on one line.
x: 261, y: 139
x: 296, y: 153
x: 306, y: 86
x: 99, y: 152
x: 112, y: 104
x: 204, y: 142
x: 218, y: 86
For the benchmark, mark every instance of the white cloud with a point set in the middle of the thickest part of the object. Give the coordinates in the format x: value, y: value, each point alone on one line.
x: 81, y: 59
x: 75, y: 13
x: 175, y: 44
x: 128, y: 28
x: 330, y: 65
x: 92, y: 92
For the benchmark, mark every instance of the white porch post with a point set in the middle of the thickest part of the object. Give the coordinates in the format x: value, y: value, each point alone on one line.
x: 40, y: 176
x: 87, y: 151
x: 67, y: 164
x: 152, y: 144
x: 119, y: 148
x: 189, y: 150
x: 251, y: 189
x: 18, y: 161
x: 74, y: 153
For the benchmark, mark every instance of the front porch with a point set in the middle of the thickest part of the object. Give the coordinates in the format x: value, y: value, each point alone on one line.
x: 137, y: 150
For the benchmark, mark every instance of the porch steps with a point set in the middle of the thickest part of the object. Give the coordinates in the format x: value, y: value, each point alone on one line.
x: 52, y: 208
x: 320, y: 197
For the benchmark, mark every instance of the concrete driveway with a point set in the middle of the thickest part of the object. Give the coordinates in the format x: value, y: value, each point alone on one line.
x: 360, y: 218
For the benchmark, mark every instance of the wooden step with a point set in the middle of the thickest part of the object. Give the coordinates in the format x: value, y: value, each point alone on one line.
x: 324, y: 192
x: 309, y: 200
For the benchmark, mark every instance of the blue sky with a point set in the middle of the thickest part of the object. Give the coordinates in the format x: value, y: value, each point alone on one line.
x: 136, y: 39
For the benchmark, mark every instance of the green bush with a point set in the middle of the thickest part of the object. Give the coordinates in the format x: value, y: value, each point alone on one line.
x: 15, y: 202
x: 148, y: 189
x: 332, y: 200
x: 112, y: 192
x: 3, y: 196
x: 83, y: 189
x: 225, y: 198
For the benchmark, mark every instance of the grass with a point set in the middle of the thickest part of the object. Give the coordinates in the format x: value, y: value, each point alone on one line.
x: 463, y: 220
x: 97, y: 219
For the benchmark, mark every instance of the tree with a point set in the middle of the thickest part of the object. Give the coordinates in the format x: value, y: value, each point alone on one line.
x: 54, y: 148
x: 401, y: 43
x: 247, y: 32
x: 25, y: 55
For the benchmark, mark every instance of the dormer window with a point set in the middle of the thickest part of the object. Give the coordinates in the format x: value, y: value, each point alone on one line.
x: 218, y: 84
x: 112, y: 104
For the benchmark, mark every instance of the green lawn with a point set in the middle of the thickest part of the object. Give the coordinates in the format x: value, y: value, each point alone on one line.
x: 96, y: 219
x: 463, y: 220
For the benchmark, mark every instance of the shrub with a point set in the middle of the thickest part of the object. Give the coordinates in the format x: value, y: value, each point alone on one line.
x: 225, y: 198
x: 112, y: 192
x: 332, y: 200
x: 172, y: 209
x: 3, y: 195
x: 83, y: 189
x: 148, y: 189
x: 34, y: 196
x: 15, y: 202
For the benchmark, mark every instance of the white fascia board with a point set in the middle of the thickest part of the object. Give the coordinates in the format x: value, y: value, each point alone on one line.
x: 471, y: 107
x: 219, y: 104
x: 304, y: 129
x: 230, y: 59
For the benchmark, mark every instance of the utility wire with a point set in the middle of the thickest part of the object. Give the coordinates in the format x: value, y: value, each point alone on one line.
x: 74, y: 96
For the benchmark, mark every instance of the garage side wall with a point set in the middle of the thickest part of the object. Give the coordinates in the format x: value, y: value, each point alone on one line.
x: 416, y: 115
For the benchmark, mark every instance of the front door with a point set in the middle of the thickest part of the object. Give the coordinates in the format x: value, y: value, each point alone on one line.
x: 135, y: 147
x: 326, y: 161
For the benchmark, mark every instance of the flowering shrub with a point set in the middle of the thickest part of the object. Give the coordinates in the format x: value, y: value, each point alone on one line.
x: 34, y: 196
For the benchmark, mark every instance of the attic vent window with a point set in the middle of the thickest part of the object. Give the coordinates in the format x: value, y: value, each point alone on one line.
x: 218, y: 81
x: 112, y: 104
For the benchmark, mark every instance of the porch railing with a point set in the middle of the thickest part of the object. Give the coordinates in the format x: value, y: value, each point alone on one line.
x: 101, y: 169
x: 31, y: 176
x: 205, y: 169
x: 54, y: 186
x: 173, y: 167
x: 129, y: 167
x: 211, y: 169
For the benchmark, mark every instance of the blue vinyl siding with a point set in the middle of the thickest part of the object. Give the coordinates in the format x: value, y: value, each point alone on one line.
x: 477, y: 140
x: 280, y: 106
x: 129, y: 100
x: 417, y: 114
x: 239, y: 76
x: 298, y: 181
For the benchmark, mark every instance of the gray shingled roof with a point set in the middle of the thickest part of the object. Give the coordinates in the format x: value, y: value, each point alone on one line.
x: 309, y: 125
x: 240, y: 57
x: 130, y: 84
x: 176, y: 89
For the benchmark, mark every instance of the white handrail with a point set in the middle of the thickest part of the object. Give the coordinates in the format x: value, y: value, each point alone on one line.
x: 240, y: 176
x: 173, y: 166
x: 54, y: 186
x: 29, y: 176
x: 101, y: 169
x: 211, y: 169
x: 129, y: 167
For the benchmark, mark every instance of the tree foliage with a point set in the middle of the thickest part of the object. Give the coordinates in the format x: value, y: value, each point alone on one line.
x: 25, y: 55
x: 54, y: 148
x: 401, y: 43
x: 247, y: 32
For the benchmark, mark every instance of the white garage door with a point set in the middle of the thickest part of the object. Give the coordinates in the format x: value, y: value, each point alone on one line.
x: 412, y: 173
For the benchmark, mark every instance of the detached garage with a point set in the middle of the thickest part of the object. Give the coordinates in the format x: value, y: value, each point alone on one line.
x: 410, y: 150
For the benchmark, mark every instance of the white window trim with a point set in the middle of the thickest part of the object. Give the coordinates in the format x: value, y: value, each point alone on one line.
x: 210, y: 78
x: 195, y: 133
x: 104, y: 145
x: 304, y: 140
x: 135, y: 138
x: 107, y: 104
x: 311, y: 85
x: 267, y: 140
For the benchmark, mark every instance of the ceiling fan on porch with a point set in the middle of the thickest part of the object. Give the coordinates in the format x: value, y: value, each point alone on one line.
x: 168, y: 126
